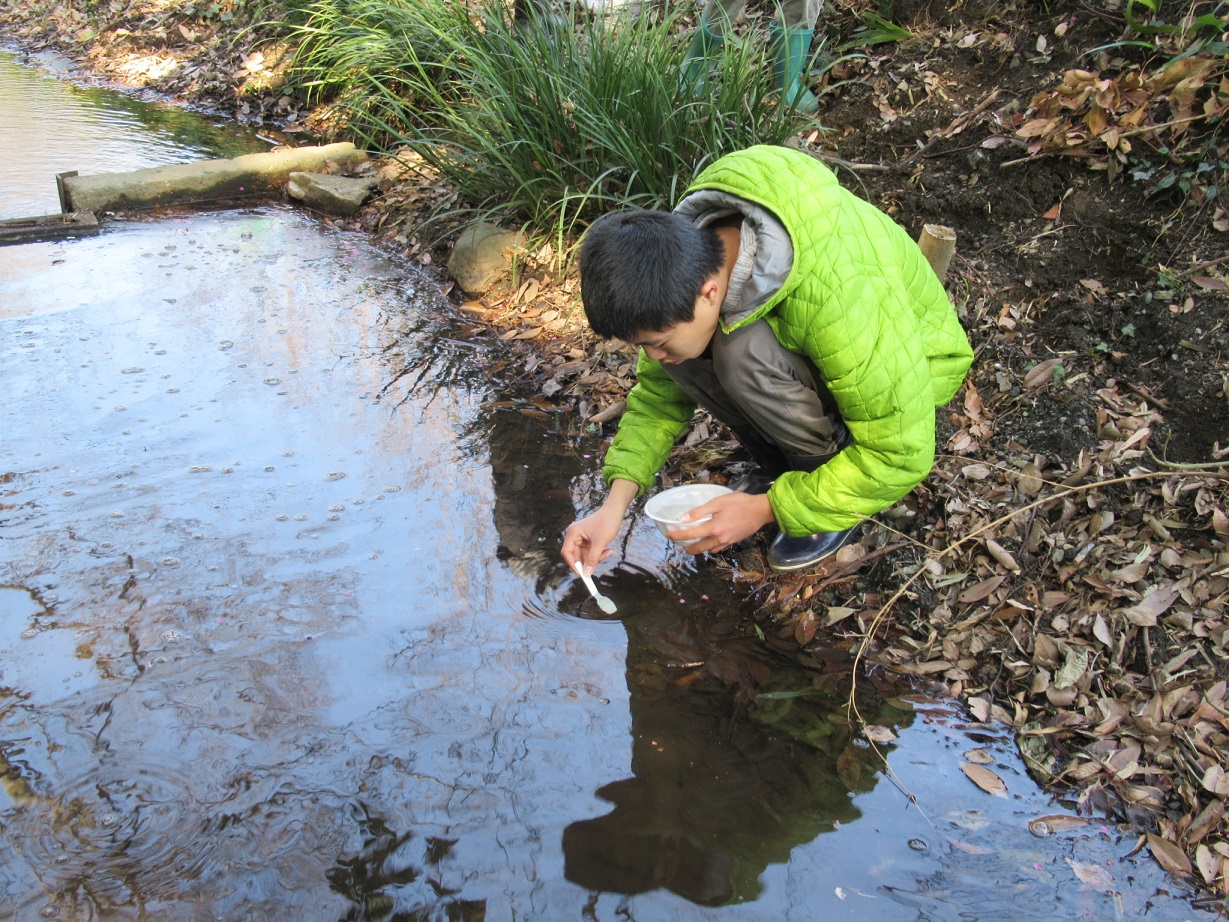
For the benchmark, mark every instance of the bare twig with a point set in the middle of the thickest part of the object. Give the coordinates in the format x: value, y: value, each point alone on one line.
x: 1207, y: 263
x: 1221, y: 467
x: 957, y: 125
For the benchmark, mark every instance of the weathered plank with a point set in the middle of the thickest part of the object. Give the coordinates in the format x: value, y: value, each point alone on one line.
x: 48, y: 227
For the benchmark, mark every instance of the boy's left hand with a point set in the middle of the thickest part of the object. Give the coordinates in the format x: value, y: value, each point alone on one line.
x: 734, y: 516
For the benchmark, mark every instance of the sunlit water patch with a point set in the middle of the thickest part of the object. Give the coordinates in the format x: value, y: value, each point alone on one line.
x: 66, y: 127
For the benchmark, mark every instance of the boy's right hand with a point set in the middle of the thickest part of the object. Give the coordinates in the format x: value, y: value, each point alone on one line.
x: 588, y: 540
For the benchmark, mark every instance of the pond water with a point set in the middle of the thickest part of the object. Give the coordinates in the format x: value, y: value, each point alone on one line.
x: 284, y: 632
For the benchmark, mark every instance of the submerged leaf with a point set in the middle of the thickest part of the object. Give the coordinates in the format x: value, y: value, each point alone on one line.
x: 1092, y: 874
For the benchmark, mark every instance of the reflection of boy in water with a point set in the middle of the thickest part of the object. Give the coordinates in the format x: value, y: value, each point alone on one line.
x: 799, y: 315
x: 716, y: 795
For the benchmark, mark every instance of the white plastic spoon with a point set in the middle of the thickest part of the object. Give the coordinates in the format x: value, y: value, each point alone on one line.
x: 603, y: 603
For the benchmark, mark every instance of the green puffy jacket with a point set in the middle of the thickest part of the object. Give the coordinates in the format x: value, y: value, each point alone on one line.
x: 861, y: 302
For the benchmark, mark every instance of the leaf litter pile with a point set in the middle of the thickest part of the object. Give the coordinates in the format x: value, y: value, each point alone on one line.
x: 1059, y: 572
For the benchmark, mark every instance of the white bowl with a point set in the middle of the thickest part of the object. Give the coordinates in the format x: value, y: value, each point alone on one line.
x: 666, y: 507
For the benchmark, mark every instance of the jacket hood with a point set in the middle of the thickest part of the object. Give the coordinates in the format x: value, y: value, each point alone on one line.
x: 765, y: 255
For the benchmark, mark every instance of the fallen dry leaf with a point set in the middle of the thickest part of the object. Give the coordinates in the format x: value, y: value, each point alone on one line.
x: 1168, y: 855
x: 1209, y: 863
x: 1152, y: 606
x: 985, y: 779
x: 1041, y: 373
x: 1092, y: 874
x: 982, y: 590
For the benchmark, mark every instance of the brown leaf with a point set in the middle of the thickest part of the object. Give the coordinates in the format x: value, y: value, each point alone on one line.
x: 1208, y: 862
x: 1030, y: 479
x: 1216, y: 782
x: 804, y: 630
x: 849, y: 554
x: 1036, y: 128
x: 1220, y: 522
x: 1002, y: 555
x: 985, y: 779
x: 982, y: 590
x: 1092, y: 874
x: 1075, y: 664
x: 837, y: 613
x: 1132, y: 573
x: 1168, y: 855
x: 849, y: 768
x: 1056, y: 822
x: 1205, y: 822
x: 878, y: 734
x: 969, y: 848
x: 1152, y: 606
x: 928, y: 668
x: 1041, y: 373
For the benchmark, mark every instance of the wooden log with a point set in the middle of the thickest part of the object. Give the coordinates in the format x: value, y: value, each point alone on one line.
x: 614, y: 411
x: 48, y: 227
x: 938, y: 245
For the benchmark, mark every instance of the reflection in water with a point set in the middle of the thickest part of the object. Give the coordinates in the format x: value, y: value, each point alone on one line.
x: 397, y: 876
x: 531, y: 465
x: 737, y: 757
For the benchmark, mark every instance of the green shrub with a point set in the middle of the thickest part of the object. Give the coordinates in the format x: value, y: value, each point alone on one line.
x: 548, y: 124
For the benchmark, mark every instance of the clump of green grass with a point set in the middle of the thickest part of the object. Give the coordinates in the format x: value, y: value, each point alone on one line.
x: 547, y: 124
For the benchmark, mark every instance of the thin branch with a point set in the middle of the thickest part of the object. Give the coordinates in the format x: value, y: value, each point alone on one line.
x: 958, y: 124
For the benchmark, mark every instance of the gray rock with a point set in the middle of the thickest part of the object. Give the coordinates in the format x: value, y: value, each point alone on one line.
x: 339, y: 195
x: 482, y: 255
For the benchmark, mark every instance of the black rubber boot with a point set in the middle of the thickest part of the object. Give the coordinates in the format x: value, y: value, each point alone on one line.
x: 789, y: 553
x: 768, y: 461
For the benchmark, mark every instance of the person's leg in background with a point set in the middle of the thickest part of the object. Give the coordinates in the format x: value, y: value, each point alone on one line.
x: 790, y: 37
x: 707, y: 40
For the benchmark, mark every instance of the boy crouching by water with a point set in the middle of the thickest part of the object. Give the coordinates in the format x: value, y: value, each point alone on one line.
x: 799, y: 315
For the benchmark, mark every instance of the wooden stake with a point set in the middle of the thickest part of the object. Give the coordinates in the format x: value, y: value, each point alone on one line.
x: 938, y: 245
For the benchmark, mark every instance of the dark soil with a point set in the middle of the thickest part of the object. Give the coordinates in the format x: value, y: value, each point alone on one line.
x: 1105, y: 284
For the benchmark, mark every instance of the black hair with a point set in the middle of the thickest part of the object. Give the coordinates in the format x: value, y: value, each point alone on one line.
x: 641, y: 271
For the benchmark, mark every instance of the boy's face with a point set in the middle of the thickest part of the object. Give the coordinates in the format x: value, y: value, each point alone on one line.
x: 686, y: 340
